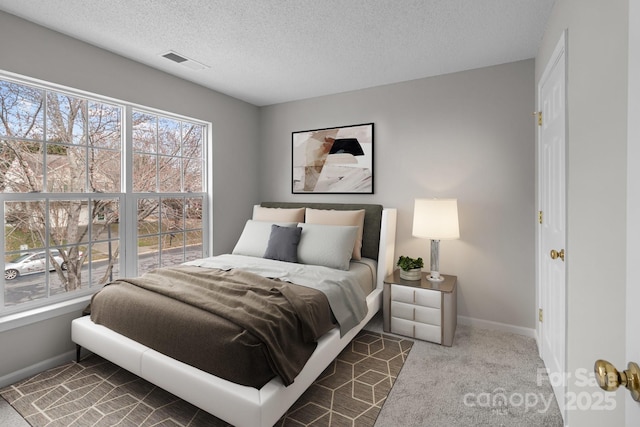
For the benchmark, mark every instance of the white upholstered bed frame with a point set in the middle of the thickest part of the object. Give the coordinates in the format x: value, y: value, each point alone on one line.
x: 238, y: 405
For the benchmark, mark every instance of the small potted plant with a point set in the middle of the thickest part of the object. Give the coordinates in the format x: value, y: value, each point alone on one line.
x: 410, y: 268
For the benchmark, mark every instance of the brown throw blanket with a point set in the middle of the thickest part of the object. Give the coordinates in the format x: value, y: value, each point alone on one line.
x: 282, y: 319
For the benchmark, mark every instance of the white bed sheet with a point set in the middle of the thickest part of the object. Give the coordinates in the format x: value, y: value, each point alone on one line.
x: 345, y: 290
x: 363, y: 271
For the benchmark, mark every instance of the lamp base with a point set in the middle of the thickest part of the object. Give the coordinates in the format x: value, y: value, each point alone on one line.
x: 435, y: 277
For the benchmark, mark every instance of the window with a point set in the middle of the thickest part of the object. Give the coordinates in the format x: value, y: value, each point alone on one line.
x: 68, y: 177
x: 167, y: 158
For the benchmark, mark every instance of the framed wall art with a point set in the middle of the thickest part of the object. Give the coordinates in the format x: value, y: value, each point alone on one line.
x: 333, y: 160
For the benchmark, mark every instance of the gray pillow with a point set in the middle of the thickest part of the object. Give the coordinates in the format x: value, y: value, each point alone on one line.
x: 283, y: 243
x: 255, y: 237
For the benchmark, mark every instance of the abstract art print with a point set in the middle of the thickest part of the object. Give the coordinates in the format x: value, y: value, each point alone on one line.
x: 333, y: 160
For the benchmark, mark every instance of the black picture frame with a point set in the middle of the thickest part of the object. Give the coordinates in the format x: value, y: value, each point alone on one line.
x: 337, y: 160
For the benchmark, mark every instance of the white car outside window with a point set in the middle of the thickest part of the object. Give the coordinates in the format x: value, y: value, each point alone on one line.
x: 30, y: 263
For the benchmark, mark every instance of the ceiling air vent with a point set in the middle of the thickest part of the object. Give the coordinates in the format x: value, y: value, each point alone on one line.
x: 183, y: 60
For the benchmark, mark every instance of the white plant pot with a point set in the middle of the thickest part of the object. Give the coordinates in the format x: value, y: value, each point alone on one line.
x: 413, y: 274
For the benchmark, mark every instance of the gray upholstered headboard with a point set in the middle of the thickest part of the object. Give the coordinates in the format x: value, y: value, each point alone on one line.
x: 372, y: 220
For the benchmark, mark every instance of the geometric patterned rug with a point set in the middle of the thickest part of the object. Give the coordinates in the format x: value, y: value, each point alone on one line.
x: 95, y: 392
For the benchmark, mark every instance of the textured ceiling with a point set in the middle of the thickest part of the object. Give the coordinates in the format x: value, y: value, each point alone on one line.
x: 273, y: 51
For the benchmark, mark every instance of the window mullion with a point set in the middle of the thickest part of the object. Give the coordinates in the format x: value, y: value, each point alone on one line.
x: 85, y: 129
x: 127, y: 158
x: 157, y: 154
x: 45, y: 136
x: 207, y: 179
x: 129, y: 207
x: 2, y: 243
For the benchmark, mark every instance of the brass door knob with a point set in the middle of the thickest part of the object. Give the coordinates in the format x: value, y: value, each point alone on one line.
x: 555, y: 254
x: 610, y: 379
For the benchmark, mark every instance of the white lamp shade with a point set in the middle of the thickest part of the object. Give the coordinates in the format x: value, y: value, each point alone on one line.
x: 436, y: 219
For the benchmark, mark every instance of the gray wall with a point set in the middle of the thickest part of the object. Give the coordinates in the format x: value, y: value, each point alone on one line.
x: 36, y: 52
x: 596, y: 189
x: 468, y: 135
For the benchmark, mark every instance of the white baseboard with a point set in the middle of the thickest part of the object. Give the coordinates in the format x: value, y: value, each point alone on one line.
x: 29, y: 371
x: 497, y: 326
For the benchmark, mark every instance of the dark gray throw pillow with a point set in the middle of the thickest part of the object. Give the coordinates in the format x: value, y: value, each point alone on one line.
x: 283, y: 243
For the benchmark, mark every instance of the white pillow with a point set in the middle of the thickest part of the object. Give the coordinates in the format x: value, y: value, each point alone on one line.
x: 328, y: 245
x: 339, y: 217
x: 255, y: 237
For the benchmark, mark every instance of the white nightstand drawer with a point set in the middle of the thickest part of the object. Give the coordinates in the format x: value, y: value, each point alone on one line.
x: 428, y: 333
x: 416, y: 330
x: 403, y: 310
x: 423, y: 297
x: 402, y: 294
x: 402, y: 326
x: 428, y: 298
x: 416, y: 313
x: 432, y: 316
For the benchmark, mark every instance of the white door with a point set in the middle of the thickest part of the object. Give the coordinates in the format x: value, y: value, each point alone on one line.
x: 551, y: 257
x: 633, y: 208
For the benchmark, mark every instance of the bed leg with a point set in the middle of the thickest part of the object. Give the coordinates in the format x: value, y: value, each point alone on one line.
x: 78, y: 351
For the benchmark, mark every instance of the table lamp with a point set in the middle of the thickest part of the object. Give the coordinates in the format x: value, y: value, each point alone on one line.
x: 436, y: 219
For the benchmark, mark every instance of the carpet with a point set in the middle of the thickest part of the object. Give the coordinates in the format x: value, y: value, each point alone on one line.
x: 487, y: 379
x: 95, y: 392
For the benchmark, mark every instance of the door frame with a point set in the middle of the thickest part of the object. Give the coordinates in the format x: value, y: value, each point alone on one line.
x: 560, y: 49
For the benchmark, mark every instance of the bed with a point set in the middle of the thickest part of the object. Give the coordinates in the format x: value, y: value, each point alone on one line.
x: 262, y: 404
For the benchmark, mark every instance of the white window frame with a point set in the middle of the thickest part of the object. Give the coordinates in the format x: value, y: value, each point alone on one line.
x: 38, y: 310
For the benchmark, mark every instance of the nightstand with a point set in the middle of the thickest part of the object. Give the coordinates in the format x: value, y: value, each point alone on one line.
x: 420, y: 309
